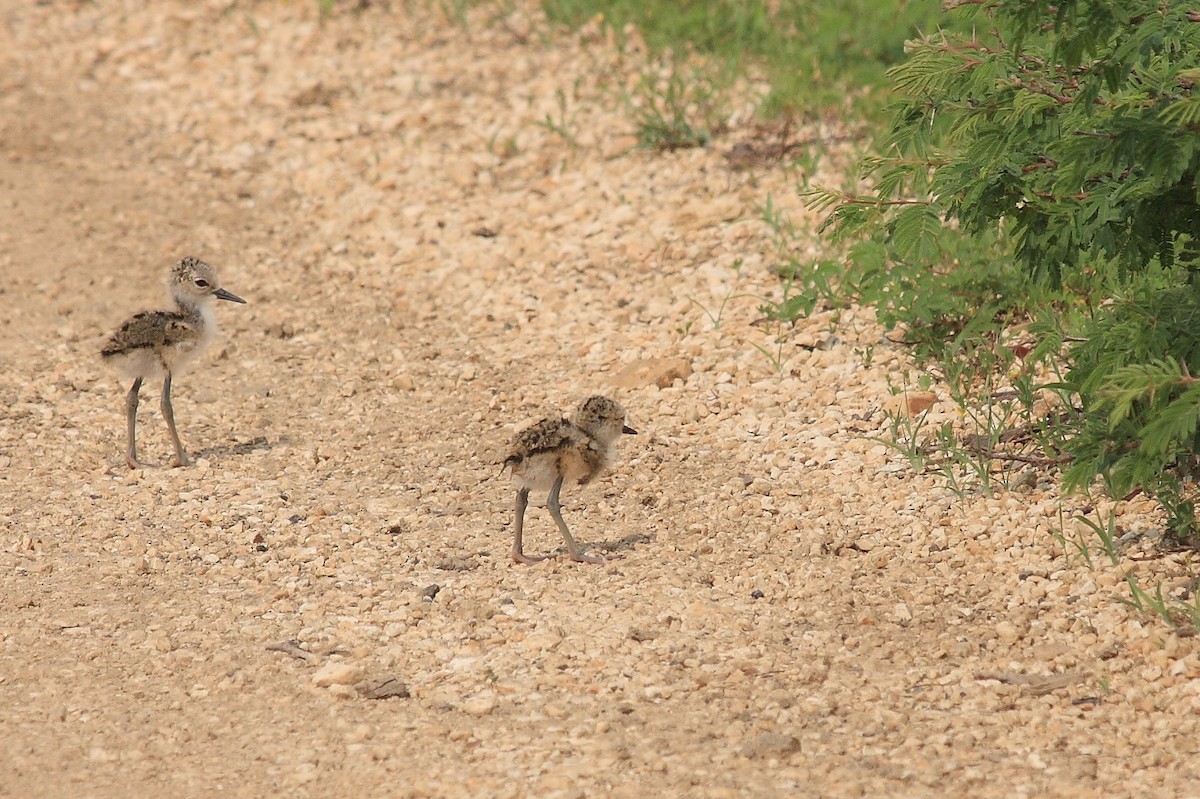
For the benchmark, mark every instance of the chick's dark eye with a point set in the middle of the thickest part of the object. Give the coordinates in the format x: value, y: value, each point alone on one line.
x: 201, y: 282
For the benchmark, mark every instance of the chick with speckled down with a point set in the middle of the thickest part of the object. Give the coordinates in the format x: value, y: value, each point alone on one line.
x: 555, y: 450
x: 162, y: 343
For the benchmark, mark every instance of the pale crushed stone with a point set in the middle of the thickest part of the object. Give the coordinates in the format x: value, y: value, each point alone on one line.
x: 348, y: 430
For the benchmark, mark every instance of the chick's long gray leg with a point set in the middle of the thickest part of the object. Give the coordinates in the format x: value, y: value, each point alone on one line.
x: 131, y: 406
x: 556, y: 512
x: 181, y: 458
x: 519, y: 528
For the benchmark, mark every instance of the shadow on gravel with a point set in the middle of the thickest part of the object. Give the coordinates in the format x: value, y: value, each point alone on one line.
x: 626, y: 543
x: 240, y: 448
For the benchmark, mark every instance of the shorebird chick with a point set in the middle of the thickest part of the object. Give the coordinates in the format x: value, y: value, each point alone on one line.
x: 154, y: 343
x: 555, y: 450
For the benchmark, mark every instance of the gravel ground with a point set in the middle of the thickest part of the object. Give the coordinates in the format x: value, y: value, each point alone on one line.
x: 324, y: 604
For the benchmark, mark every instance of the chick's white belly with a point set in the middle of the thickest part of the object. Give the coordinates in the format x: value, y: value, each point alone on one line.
x: 538, y: 472
x: 150, y: 363
x: 143, y: 363
x: 180, y: 356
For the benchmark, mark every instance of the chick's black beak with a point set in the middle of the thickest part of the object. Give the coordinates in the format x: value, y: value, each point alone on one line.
x: 628, y: 430
x: 222, y: 294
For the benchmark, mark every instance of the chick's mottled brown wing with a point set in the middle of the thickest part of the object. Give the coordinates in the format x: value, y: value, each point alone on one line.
x: 147, y: 330
x: 546, y: 436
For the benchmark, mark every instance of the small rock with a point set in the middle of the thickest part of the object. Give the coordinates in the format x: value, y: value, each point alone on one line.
x: 378, y: 507
x: 386, y: 687
x: 541, y: 641
x: 99, y: 755
x: 660, y: 372
x: 281, y: 330
x: 756, y: 594
x: 617, y: 146
x: 865, y: 543
x: 1048, y: 652
x: 807, y: 340
x: 342, y: 692
x: 336, y: 674
x: 360, y: 733
x: 305, y: 773
x: 431, y: 591
x: 912, y: 403
x: 316, y: 94
x: 480, y: 705
x: 771, y: 744
x: 1025, y: 481
x: 458, y: 564
x: 760, y: 487
x: 291, y: 647
x: 1007, y: 633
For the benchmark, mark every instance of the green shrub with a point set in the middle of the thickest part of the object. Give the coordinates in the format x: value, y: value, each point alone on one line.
x: 1046, y: 167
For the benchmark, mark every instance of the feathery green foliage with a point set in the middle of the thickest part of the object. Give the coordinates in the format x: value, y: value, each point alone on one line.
x: 1046, y: 167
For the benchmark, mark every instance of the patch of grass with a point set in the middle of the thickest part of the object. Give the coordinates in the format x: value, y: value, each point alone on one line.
x: 905, y: 436
x: 503, y: 147
x: 326, y: 8
x: 685, y: 107
x: 805, y: 286
x: 455, y: 10
x: 562, y: 124
x: 714, y: 316
x: 1182, y: 613
x: 813, y: 55
x: 1104, y: 529
x: 1178, y: 613
x: 1008, y: 425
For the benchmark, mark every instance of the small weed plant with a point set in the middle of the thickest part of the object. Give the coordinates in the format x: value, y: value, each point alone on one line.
x: 1178, y: 613
x: 681, y: 107
x: 563, y: 122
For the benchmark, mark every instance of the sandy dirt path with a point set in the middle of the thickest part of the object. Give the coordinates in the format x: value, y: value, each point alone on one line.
x: 428, y: 265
